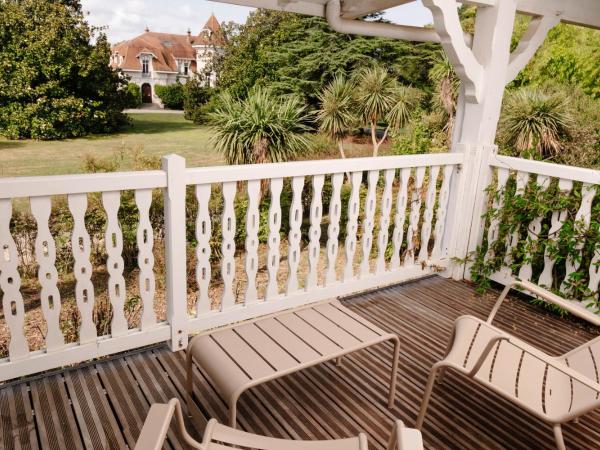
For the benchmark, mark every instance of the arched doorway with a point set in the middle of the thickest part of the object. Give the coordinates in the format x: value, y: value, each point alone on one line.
x: 146, y: 93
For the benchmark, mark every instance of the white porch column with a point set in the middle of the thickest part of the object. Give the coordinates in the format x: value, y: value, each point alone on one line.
x: 484, y: 70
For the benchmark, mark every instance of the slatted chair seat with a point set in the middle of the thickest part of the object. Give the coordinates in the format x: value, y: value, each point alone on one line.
x: 555, y: 389
x: 243, y: 356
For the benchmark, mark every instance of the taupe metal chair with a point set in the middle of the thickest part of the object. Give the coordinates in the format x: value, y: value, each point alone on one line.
x: 555, y: 389
x: 221, y: 437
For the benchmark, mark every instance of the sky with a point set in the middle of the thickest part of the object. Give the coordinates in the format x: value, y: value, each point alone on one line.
x: 128, y: 18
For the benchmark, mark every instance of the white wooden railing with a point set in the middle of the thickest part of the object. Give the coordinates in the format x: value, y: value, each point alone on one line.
x: 394, y: 234
x: 587, y: 182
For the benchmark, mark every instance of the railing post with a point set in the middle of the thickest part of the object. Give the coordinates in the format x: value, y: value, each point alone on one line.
x: 175, y: 246
x: 466, y: 206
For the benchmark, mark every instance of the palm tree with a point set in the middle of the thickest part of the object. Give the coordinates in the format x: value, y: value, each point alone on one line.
x: 336, y: 116
x: 535, y: 119
x: 260, y: 128
x: 446, y: 84
x: 376, y: 92
x: 381, y: 99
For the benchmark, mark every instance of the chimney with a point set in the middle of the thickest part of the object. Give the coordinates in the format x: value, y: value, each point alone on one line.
x: 189, y: 35
x: 147, y: 30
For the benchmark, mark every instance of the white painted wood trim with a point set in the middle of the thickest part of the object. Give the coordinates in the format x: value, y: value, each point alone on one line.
x: 41, y: 360
x: 448, y: 26
x: 175, y: 246
x: 590, y: 176
x: 220, y: 174
x: 10, y: 282
x: 80, y: 184
x: 45, y: 255
x: 530, y: 42
x: 203, y: 250
x: 145, y: 243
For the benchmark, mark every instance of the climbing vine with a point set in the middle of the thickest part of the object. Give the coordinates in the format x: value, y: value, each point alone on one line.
x: 575, y: 240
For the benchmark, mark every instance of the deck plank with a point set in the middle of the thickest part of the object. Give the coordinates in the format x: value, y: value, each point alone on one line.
x: 103, y: 404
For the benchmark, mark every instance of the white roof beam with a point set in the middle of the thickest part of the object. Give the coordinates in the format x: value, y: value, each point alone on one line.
x: 577, y: 12
x: 357, y: 8
x: 300, y: 7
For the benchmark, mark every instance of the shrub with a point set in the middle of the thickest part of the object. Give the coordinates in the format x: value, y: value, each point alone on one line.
x: 134, y: 96
x: 171, y: 96
x: 195, y: 96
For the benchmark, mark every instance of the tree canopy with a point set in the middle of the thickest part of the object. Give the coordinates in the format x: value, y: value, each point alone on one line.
x: 294, y: 54
x: 55, y: 81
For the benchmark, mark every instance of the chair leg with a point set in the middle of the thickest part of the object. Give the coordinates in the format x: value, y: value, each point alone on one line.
x: 233, y: 413
x: 394, y: 375
x: 426, y: 397
x: 558, y: 437
x: 189, y: 382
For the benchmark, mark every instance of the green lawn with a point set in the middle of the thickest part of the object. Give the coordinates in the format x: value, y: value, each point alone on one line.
x: 155, y: 133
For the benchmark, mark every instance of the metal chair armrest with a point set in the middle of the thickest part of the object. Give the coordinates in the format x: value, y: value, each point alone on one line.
x: 156, y: 426
x: 568, y: 305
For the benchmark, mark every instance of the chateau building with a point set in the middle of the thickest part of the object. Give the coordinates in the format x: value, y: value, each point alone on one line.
x: 152, y: 59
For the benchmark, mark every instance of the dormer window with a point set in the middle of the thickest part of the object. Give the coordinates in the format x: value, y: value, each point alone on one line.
x: 145, y: 66
x: 183, y: 67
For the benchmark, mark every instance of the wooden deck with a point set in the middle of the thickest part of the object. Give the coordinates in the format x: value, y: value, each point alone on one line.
x: 103, y: 404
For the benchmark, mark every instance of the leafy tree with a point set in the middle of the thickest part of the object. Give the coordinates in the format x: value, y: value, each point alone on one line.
x: 55, y: 81
x: 295, y: 54
x: 336, y: 115
x: 196, y: 95
x: 260, y: 128
x: 534, y: 119
x: 569, y: 56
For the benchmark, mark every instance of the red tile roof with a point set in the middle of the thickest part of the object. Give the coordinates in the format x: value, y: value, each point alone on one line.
x: 166, y: 48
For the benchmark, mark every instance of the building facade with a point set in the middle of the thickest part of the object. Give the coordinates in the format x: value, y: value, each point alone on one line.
x: 153, y: 59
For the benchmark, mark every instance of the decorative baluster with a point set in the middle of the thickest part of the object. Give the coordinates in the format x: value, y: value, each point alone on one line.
x: 10, y: 283
x: 415, y: 213
x: 145, y: 244
x: 594, y: 278
x: 228, y: 245
x: 316, y: 215
x: 274, y: 238
x: 384, y: 221
x: 252, y: 224
x: 582, y: 223
x: 400, y: 217
x: 558, y: 219
x: 203, y: 234
x: 428, y: 215
x: 369, y: 222
x: 82, y: 268
x: 294, y: 234
x: 513, y: 238
x: 45, y: 255
x: 497, y: 204
x: 533, y: 232
x: 333, y: 231
x: 442, y: 211
x: 352, y: 225
x: 113, y: 241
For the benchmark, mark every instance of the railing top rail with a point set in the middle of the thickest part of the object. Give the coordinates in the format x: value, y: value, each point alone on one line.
x: 548, y: 169
x: 80, y: 183
x: 205, y: 175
